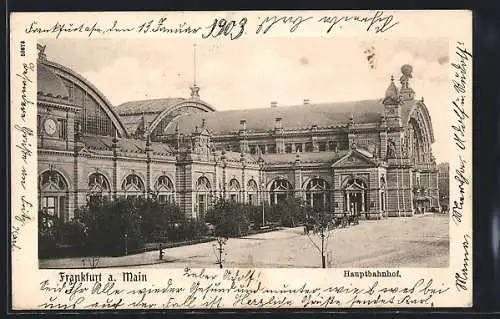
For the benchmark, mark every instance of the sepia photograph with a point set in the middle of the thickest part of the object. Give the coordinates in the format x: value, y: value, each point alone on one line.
x: 241, y: 160
x: 259, y: 153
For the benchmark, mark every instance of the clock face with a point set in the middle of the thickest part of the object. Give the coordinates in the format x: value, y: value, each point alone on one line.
x: 50, y: 126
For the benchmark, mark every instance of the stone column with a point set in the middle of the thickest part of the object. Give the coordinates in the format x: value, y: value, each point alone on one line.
x: 383, y: 144
x: 262, y: 185
x: 224, y: 182
x: 403, y: 189
x: 363, y: 200
x: 75, y: 189
x: 243, y: 185
x: 148, y: 171
x: 115, y: 166
x: 216, y: 184
x: 347, y: 194
x: 297, y: 182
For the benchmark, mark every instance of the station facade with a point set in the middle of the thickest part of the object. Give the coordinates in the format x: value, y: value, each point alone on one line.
x: 371, y: 157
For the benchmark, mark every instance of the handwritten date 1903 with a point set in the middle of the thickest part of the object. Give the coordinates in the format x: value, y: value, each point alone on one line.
x: 222, y: 27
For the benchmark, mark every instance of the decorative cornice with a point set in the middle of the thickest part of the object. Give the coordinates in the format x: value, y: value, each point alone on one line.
x: 55, y: 152
x: 57, y: 103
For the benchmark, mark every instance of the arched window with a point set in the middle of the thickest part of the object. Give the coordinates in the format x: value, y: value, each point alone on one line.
x: 317, y: 194
x: 280, y: 190
x: 252, y: 190
x: 416, y: 142
x: 98, y: 185
x: 165, y: 189
x: 234, y: 190
x: 203, y: 189
x: 92, y: 120
x: 53, y: 192
x: 133, y: 186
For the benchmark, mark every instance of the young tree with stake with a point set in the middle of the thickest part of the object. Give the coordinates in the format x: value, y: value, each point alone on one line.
x: 322, y: 225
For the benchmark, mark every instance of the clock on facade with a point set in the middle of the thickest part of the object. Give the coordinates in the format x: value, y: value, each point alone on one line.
x: 50, y: 126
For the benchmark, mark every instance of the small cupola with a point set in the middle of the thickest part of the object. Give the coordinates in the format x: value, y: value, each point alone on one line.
x: 391, y: 94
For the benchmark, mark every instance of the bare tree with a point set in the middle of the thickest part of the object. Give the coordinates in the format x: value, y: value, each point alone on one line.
x: 321, y: 229
x: 219, y: 250
x: 91, y: 262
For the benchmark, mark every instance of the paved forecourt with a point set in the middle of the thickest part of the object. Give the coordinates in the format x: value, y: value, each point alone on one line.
x: 420, y: 241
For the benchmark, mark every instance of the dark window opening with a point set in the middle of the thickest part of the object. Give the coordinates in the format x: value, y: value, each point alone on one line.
x: 309, y: 147
x: 322, y: 146
x: 62, y: 128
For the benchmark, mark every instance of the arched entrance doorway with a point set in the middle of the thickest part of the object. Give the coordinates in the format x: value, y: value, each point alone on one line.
x: 317, y: 191
x: 98, y: 186
x: 203, y: 189
x: 234, y: 190
x: 53, y: 190
x: 280, y: 190
x: 133, y: 186
x: 355, y: 196
x: 252, y: 192
x: 164, y: 189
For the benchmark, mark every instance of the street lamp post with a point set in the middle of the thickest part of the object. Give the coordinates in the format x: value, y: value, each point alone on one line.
x: 263, y: 214
x: 323, y: 261
x: 263, y: 203
x: 126, y: 244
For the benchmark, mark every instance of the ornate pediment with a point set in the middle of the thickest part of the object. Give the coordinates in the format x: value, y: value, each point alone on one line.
x: 85, y: 152
x: 355, y: 159
x: 355, y: 187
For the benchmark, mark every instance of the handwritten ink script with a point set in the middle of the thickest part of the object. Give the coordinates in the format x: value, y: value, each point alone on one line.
x: 461, y: 64
x: 229, y: 289
x: 24, y: 150
x: 462, y: 276
x: 219, y: 27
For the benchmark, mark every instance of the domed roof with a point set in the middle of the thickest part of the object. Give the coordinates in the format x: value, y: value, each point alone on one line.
x: 49, y: 84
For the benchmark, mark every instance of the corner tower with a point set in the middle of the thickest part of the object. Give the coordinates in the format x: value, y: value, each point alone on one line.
x: 392, y: 105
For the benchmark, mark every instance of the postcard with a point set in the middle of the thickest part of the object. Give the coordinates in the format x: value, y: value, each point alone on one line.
x: 241, y: 160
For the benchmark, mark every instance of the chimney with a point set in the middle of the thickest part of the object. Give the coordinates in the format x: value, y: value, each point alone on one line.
x: 307, y: 102
x: 277, y: 123
x: 203, y: 123
x: 274, y: 104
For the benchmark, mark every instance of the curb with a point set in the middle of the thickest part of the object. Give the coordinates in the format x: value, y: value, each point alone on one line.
x: 113, y: 266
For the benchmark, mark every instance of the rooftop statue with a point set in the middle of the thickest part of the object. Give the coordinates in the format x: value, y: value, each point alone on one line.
x: 406, y: 70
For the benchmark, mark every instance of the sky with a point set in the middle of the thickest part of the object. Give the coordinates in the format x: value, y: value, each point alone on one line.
x: 253, y: 72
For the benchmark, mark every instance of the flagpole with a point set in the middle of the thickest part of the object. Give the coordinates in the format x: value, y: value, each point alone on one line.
x: 194, y: 64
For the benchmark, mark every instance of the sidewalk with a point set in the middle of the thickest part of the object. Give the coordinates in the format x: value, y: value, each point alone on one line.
x: 146, y: 258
